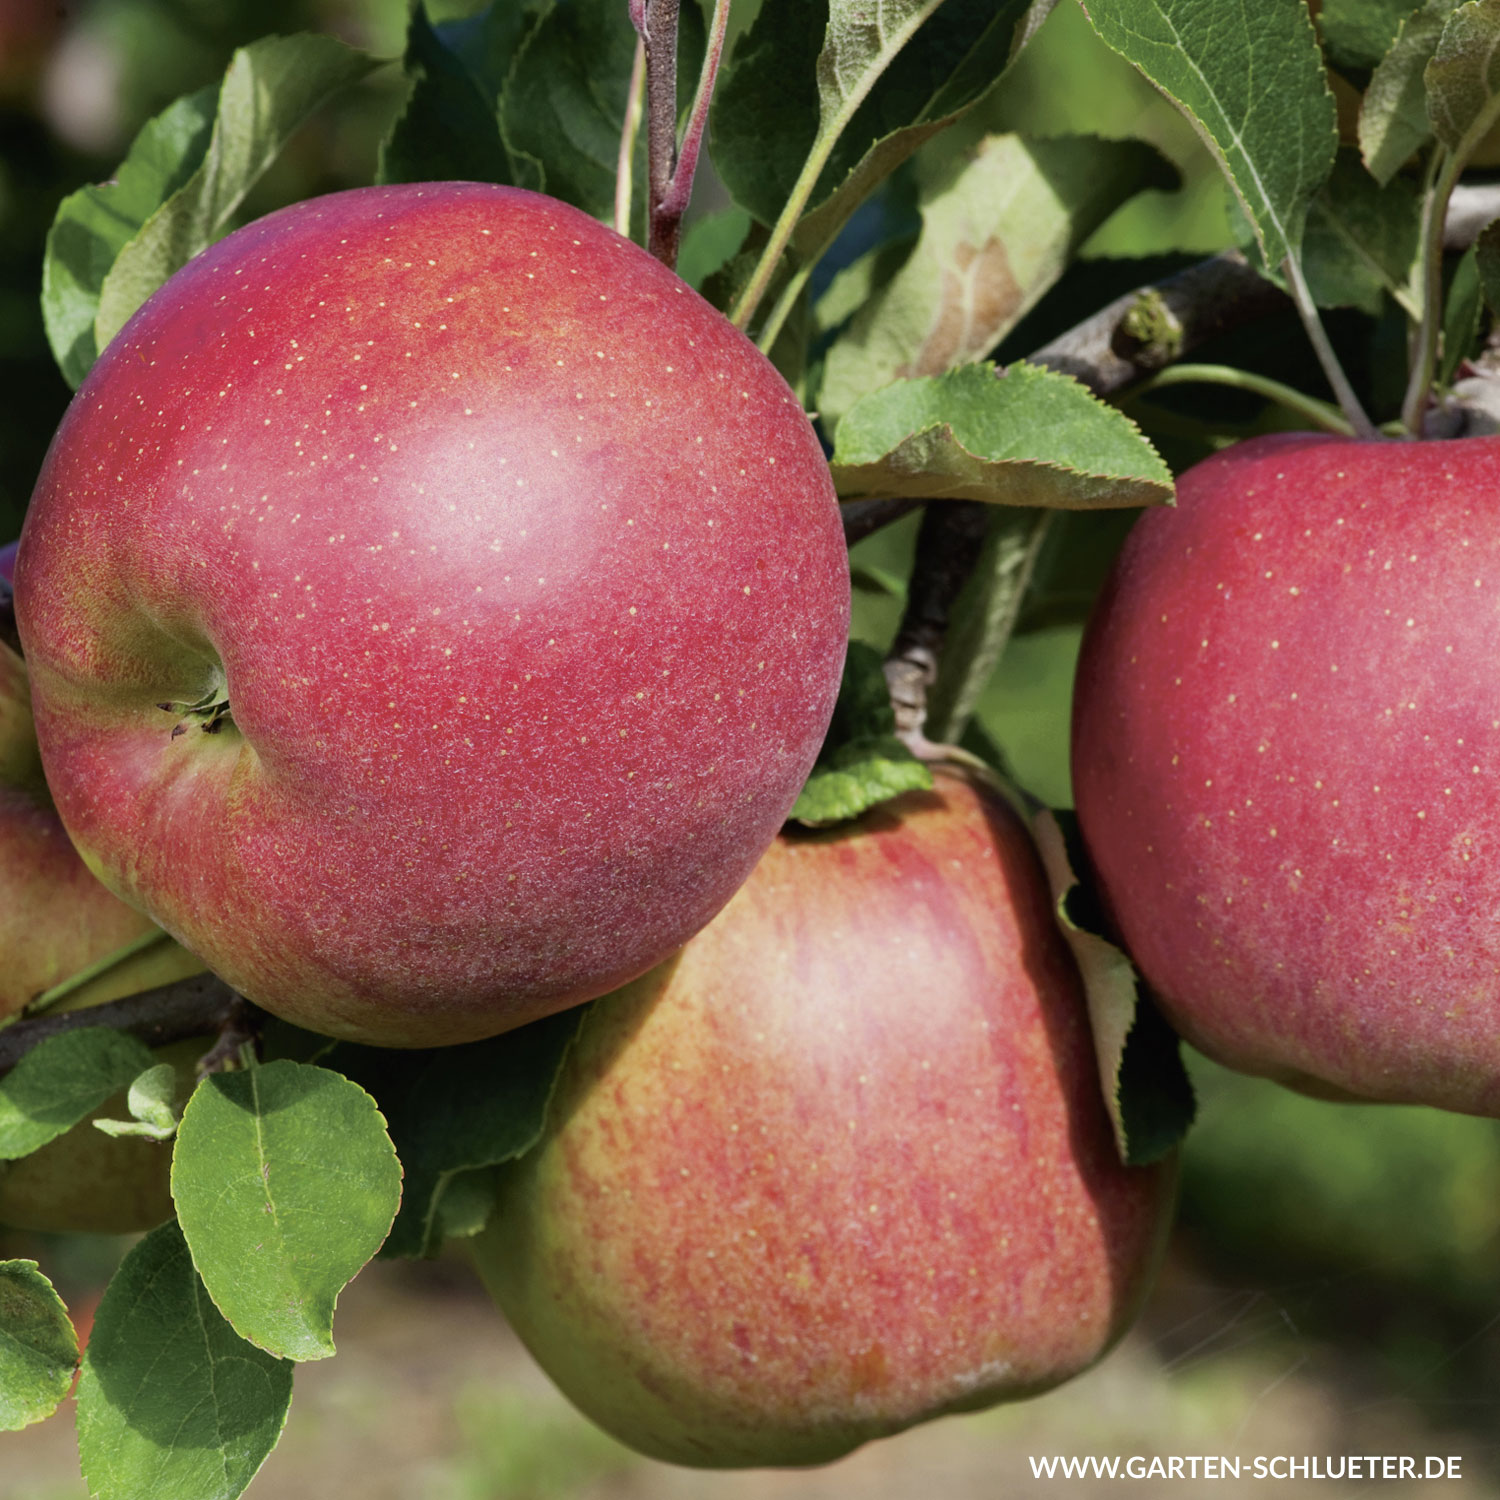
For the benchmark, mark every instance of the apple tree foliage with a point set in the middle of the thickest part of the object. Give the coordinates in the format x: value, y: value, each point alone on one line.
x: 881, y: 242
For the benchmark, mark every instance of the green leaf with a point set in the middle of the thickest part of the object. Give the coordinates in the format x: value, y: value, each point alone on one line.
x: 563, y: 106
x: 152, y: 1102
x: 285, y: 1183
x: 869, y: 87
x: 94, y: 224
x: 455, y: 1110
x: 38, y: 1347
x: 1019, y: 436
x: 450, y: 127
x: 172, y: 1403
x: 464, y: 1206
x: 1461, y: 310
x: 861, y: 763
x: 60, y: 1081
x: 1146, y: 1087
x: 857, y: 777
x: 1393, y: 122
x: 982, y: 619
x: 1359, y: 33
x: 1463, y: 78
x: 1249, y: 75
x: 1487, y: 263
x: 564, y: 109
x: 1360, y: 242
x: 862, y: 279
x: 710, y: 243
x: 999, y: 224
x: 1361, y: 239
x: 269, y: 90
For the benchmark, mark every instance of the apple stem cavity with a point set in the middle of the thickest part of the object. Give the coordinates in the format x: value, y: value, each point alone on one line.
x: 211, y: 711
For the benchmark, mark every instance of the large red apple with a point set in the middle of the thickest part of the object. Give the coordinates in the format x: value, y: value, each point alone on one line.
x: 1287, y: 763
x: 518, y: 569
x: 840, y: 1166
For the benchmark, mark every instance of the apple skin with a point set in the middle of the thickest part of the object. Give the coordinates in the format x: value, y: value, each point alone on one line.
x: 55, y: 917
x: 839, y: 1167
x: 524, y: 573
x: 1286, y: 730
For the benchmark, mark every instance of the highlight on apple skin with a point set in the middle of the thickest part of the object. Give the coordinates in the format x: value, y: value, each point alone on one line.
x: 1286, y: 728
x: 840, y: 1166
x: 494, y: 582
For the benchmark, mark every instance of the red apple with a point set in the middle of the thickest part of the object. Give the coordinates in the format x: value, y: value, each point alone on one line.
x: 1287, y: 763
x: 519, y: 571
x: 840, y: 1166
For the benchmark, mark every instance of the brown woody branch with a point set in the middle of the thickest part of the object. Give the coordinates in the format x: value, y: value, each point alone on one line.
x: 198, y: 1007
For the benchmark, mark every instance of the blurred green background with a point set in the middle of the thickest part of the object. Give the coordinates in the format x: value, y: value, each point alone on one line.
x: 1335, y: 1279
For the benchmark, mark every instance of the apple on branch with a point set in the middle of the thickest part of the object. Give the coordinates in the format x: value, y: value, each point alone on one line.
x: 1286, y: 729
x: 840, y: 1166
x: 434, y: 608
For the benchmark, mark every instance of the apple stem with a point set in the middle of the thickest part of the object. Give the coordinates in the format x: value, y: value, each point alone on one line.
x: 624, y: 165
x: 75, y: 982
x: 170, y: 1013
x: 1320, y: 413
x: 1359, y: 420
x: 1425, y: 349
x: 656, y: 21
x: 672, y: 167
x: 680, y: 189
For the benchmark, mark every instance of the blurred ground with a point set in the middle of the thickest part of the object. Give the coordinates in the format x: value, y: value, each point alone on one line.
x: 430, y: 1398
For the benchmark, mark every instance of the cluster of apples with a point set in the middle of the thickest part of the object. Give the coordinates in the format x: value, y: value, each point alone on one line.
x: 432, y: 609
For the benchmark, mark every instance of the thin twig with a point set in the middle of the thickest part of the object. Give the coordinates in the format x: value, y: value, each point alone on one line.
x: 864, y: 518
x: 656, y: 20
x: 948, y: 546
x: 674, y: 202
x: 1320, y: 413
x: 171, y: 1013
x: 1152, y: 326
